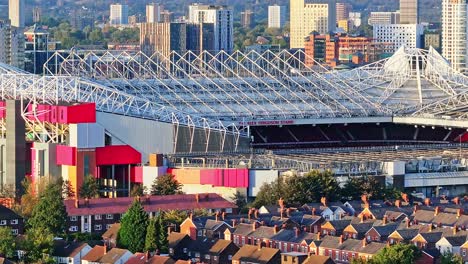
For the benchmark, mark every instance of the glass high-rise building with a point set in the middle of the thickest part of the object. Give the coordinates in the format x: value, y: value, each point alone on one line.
x: 455, y: 33
x: 409, y: 11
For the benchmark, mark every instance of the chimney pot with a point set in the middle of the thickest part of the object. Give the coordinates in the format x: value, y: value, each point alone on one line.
x: 341, y: 239
x: 323, y: 200
x: 427, y: 202
x: 254, y: 226
x: 437, y: 210
x: 223, y: 215
x: 459, y: 212
x: 364, y: 242
x: 296, y: 232
x: 455, y: 230
x: 384, y: 220
x: 318, y: 236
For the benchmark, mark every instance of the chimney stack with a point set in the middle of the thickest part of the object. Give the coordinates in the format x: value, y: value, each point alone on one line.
x: 459, y: 212
x: 361, y: 216
x: 77, y: 203
x: 249, y: 213
x: 197, y: 197
x: 288, y: 212
x: 275, y: 229
x: 415, y: 208
x: 296, y: 232
x: 405, y: 198
x: 384, y: 220
x: 398, y: 203
x: 223, y: 215
x: 427, y: 201
x: 233, y: 222
x: 408, y: 223
x: 216, y: 216
x: 341, y: 239
x: 318, y: 236
x: 256, y: 213
x: 455, y: 230
x: 191, y: 216
x: 254, y: 226
x: 430, y: 227
x: 323, y: 200
x: 456, y: 200
x: 364, y: 242
x: 313, y: 210
x: 437, y: 210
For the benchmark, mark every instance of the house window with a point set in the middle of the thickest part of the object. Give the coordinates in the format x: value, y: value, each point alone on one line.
x: 73, y: 228
x: 14, y: 231
x: 171, y: 251
x: 73, y: 218
x: 464, y: 252
x: 229, y: 257
x: 197, y: 255
x: 185, y: 250
x: 98, y: 227
x: 98, y: 217
x: 14, y: 221
x: 109, y: 216
x: 108, y: 226
x: 207, y: 256
x: 200, y: 233
x: 337, y: 257
x: 215, y: 258
x: 3, y: 222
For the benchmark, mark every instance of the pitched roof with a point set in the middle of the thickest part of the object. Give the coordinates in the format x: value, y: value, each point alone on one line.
x: 113, y: 255
x: 456, y: 240
x: 211, y: 224
x: 310, y: 219
x: 219, y: 246
x: 8, y: 214
x: 156, y: 259
x: 174, y: 239
x: 316, y: 259
x: 255, y: 254
x: 150, y: 203
x: 201, y: 245
x: 5, y: 261
x: 385, y: 230
x: 112, y: 232
x: 431, y: 237
x: 64, y: 248
x: 137, y: 258
x: 95, y: 254
x: 243, y: 229
x: 340, y: 224
x: 353, y: 245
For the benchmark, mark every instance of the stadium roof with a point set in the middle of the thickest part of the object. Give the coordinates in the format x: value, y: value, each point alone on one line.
x: 253, y: 86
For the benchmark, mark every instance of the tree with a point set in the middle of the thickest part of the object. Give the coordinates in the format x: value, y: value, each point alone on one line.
x: 450, y: 258
x: 7, y: 242
x: 49, y: 212
x: 28, y: 200
x: 162, y: 235
x: 133, y: 227
x: 90, y: 188
x: 397, y: 254
x: 67, y: 190
x: 137, y: 190
x: 166, y: 185
x: 240, y: 200
x: 151, y: 236
x: 39, y: 245
x: 174, y: 217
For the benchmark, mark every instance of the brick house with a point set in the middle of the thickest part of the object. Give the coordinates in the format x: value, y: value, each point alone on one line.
x: 426, y: 240
x: 344, y: 251
x: 380, y: 233
x: 334, y: 228
x: 10, y: 219
x: 257, y: 255
x: 178, y: 245
x: 97, y: 215
x: 222, y: 252
x: 311, y: 223
x: 358, y: 230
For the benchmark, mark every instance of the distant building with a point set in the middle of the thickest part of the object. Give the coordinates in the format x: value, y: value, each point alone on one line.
x: 36, y: 49
x: 433, y: 39
x: 17, y: 12
x: 355, y: 19
x: 344, y: 24
x: 401, y: 35
x: 315, y: 48
x: 247, y: 19
x: 153, y: 13
x: 455, y: 33
x: 136, y: 19
x: 307, y: 17
x: 11, y: 45
x: 276, y: 16
x: 262, y: 48
x: 37, y: 13
x: 384, y: 18
x: 166, y: 16
x: 222, y: 19
x: 163, y: 37
x: 409, y: 11
x: 118, y: 14
x: 342, y: 11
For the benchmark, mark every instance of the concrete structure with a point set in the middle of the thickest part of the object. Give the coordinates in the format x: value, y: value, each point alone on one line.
x: 247, y: 19
x: 153, y: 13
x: 11, y: 45
x: 16, y: 12
x: 221, y: 17
x: 384, y: 18
x: 308, y: 17
x: 355, y: 19
x: 163, y: 37
x: 455, y: 33
x: 342, y: 11
x: 400, y: 35
x: 409, y: 11
x: 118, y: 14
x: 433, y: 39
x: 276, y: 16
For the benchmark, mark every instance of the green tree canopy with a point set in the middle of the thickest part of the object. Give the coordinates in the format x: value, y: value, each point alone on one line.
x: 67, y: 190
x: 151, y: 236
x: 450, y: 258
x: 49, y: 213
x: 166, y: 185
x: 133, y: 226
x: 397, y: 254
x: 161, y: 242
x: 39, y: 245
x: 90, y: 188
x: 7, y: 242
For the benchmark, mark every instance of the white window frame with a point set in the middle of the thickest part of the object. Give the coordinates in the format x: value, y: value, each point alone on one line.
x: 73, y: 228
x: 3, y: 222
x: 109, y: 216
x: 14, y: 231
x: 97, y: 227
x: 98, y: 217
x: 14, y: 221
x: 74, y: 218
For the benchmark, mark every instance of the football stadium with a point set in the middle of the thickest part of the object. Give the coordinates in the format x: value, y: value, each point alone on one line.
x: 234, y: 120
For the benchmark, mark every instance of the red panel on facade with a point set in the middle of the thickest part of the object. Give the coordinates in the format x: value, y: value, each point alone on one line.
x: 208, y: 177
x: 66, y: 155
x: 136, y: 175
x: 43, y: 113
x: 53, y: 114
x: 2, y: 109
x: 82, y: 113
x: 117, y: 155
x: 62, y: 114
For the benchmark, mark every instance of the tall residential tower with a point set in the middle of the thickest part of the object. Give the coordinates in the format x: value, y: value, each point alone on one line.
x: 153, y: 13
x: 307, y: 17
x: 455, y: 32
x: 16, y: 12
x: 409, y: 11
x: 118, y: 14
x: 276, y: 16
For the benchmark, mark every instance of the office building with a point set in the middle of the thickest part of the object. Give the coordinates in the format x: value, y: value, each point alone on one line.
x: 16, y: 12
x: 307, y: 17
x: 276, y: 16
x: 344, y: 25
x: 37, y: 13
x: 11, y: 45
x: 153, y: 13
x: 166, y: 16
x: 342, y: 11
x: 222, y: 19
x: 355, y: 19
x: 315, y: 48
x: 118, y: 14
x: 455, y: 33
x: 247, y: 19
x: 163, y: 38
x: 433, y: 39
x: 400, y: 35
x: 409, y: 11
x: 384, y: 18
x: 36, y: 51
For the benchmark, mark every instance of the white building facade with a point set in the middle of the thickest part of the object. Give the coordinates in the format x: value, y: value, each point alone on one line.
x: 400, y: 35
x: 223, y: 20
x: 118, y: 14
x: 16, y: 12
x: 276, y: 16
x: 455, y: 33
x: 153, y: 13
